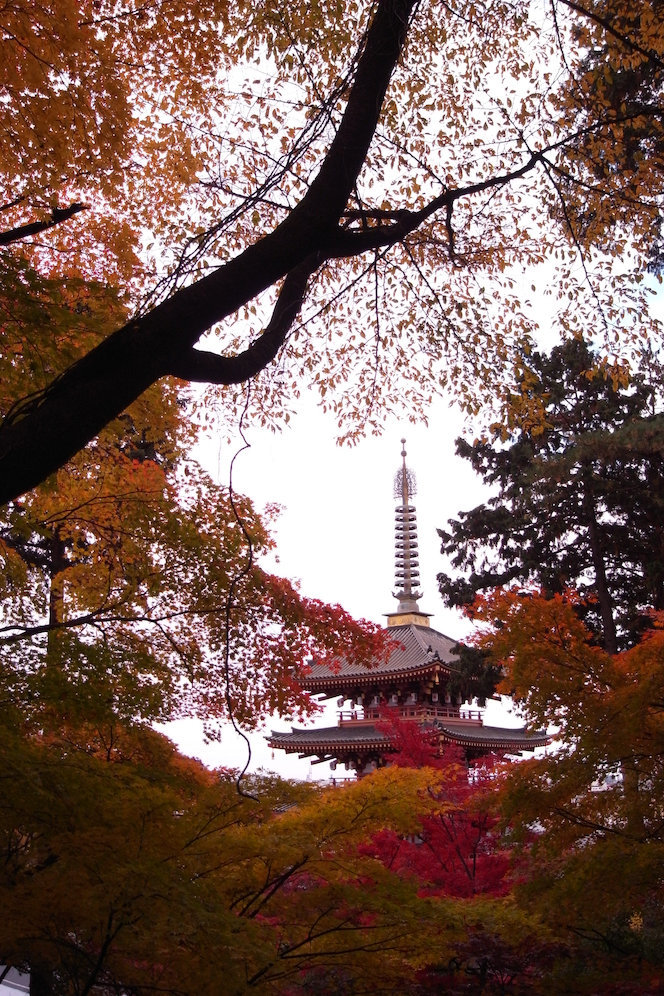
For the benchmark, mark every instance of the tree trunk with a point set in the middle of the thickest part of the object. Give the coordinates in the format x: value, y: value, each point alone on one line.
x: 631, y: 792
x: 601, y: 584
x: 56, y: 597
x: 42, y: 981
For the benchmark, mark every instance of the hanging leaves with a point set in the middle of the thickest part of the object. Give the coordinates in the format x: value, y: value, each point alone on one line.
x: 381, y: 265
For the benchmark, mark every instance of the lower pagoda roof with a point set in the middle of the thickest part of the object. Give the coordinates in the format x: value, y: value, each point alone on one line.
x: 498, y: 737
x: 335, y: 740
x: 329, y: 739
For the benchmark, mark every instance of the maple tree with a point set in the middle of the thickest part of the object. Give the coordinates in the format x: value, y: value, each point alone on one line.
x: 456, y: 852
x: 136, y: 869
x: 589, y: 813
x: 580, y: 493
x: 129, y: 578
x: 462, y: 852
x: 131, y: 590
x: 374, y: 160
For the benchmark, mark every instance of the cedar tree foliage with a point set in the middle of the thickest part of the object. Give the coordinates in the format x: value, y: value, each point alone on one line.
x: 580, y: 494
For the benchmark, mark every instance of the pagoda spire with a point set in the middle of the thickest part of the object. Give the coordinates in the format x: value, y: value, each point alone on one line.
x: 407, y: 570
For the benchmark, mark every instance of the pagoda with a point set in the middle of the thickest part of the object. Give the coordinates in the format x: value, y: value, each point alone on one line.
x: 414, y: 682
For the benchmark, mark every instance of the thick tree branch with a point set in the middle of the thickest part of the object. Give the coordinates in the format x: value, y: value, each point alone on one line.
x: 354, y: 241
x: 58, y: 215
x: 210, y: 368
x: 41, y: 435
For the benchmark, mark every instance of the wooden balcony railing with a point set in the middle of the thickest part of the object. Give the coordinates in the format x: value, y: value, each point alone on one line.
x: 419, y: 710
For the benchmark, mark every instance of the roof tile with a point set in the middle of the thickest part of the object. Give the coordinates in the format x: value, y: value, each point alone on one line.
x: 418, y: 646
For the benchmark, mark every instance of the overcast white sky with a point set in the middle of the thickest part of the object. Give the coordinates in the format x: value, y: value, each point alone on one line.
x: 336, y: 532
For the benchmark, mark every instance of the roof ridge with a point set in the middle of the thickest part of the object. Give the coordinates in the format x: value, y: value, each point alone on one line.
x: 419, y: 636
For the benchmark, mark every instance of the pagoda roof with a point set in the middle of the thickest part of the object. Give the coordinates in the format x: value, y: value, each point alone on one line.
x: 330, y: 738
x: 516, y: 739
x: 418, y: 649
x: 349, y: 735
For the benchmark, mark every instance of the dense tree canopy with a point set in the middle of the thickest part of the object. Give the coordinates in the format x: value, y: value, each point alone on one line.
x: 130, y: 868
x: 351, y: 192
x: 580, y: 494
x: 135, y: 591
x: 589, y: 814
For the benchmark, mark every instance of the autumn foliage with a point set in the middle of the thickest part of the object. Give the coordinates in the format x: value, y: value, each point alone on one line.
x: 588, y: 814
x: 457, y: 851
x: 356, y: 192
x: 368, y: 200
x: 126, y: 866
x: 145, y: 583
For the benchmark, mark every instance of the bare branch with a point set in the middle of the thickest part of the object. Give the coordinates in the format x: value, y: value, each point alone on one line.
x: 58, y: 216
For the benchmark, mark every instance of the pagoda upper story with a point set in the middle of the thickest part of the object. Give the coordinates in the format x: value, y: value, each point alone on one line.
x: 414, y: 683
